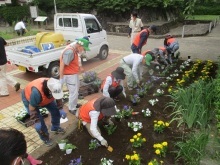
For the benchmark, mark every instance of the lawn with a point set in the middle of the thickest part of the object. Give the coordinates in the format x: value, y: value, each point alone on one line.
x: 203, y: 17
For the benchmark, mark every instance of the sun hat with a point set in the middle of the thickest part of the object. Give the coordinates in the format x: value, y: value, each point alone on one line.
x: 105, y: 105
x: 148, y: 59
x: 55, y: 87
x: 83, y: 42
x: 119, y: 73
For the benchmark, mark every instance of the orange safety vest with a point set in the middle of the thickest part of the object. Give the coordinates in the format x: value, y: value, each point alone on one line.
x: 145, y: 52
x: 73, y: 67
x: 38, y: 83
x: 114, y: 83
x: 85, y: 109
x: 137, y: 37
x: 170, y: 41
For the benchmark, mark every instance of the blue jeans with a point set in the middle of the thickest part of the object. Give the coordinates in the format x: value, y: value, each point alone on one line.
x: 135, y: 49
x: 41, y: 127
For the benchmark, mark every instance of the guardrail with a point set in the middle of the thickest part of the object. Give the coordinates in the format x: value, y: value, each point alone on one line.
x: 22, y: 40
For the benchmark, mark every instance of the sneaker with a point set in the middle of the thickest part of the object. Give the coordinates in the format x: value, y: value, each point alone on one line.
x: 48, y: 143
x: 59, y: 130
x: 17, y: 86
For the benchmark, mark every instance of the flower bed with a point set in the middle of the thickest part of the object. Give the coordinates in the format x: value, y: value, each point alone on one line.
x: 149, y: 152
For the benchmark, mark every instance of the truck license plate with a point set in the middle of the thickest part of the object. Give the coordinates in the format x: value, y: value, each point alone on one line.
x: 22, y: 68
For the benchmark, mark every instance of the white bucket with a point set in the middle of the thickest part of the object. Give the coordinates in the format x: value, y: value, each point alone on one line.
x: 62, y: 145
x: 68, y: 151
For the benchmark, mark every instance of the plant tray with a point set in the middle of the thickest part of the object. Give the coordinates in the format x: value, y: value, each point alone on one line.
x: 27, y: 122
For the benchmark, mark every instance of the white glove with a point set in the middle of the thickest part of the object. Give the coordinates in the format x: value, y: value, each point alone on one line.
x: 104, y: 143
x: 110, y: 122
x: 124, y: 94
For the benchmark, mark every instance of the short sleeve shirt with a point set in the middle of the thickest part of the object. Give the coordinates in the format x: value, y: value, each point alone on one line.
x: 3, y: 58
x: 136, y: 25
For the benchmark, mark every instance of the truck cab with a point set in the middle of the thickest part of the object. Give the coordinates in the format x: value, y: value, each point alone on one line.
x: 76, y: 25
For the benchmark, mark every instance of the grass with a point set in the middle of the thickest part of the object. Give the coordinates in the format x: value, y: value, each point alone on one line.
x: 203, y: 17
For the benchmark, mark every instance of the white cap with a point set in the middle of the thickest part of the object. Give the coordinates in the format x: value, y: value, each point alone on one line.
x: 55, y: 87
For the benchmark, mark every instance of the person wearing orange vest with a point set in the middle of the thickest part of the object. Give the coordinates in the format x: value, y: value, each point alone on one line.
x: 112, y: 86
x: 141, y: 39
x: 96, y: 110
x: 40, y: 93
x: 162, y: 58
x: 69, y: 70
x: 171, y: 45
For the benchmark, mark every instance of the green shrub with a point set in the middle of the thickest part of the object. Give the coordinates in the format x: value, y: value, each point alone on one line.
x: 207, y: 10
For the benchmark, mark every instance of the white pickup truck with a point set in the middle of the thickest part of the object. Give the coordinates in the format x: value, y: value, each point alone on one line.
x: 71, y: 26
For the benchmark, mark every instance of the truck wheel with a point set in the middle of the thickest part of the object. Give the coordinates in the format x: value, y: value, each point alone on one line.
x: 103, y: 53
x: 54, y: 70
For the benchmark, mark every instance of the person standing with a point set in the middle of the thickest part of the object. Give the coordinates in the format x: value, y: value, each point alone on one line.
x: 4, y: 78
x: 40, y: 93
x: 133, y: 67
x: 141, y: 39
x: 96, y: 110
x: 135, y: 26
x: 20, y: 28
x: 69, y: 69
x: 112, y: 86
x: 14, y: 147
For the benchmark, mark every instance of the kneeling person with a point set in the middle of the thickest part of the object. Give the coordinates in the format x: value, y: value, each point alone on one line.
x: 112, y: 86
x: 94, y: 111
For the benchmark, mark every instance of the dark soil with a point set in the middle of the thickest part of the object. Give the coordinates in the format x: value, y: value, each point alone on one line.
x: 119, y: 140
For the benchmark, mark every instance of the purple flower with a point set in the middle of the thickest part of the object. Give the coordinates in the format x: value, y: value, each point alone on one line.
x: 126, y: 107
x: 76, y: 161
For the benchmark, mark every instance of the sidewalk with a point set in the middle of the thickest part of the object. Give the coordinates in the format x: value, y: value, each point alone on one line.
x: 12, y: 104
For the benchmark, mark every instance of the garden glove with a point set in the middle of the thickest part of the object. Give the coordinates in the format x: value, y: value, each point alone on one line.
x: 110, y: 122
x: 62, y: 113
x: 104, y: 143
x: 124, y: 94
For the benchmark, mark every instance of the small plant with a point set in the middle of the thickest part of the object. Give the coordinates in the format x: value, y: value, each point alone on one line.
x: 163, y: 84
x: 141, y: 92
x: 169, y: 78
x: 70, y: 146
x: 119, y: 114
x: 159, y: 92
x: 127, y: 111
x: 77, y: 161
x: 146, y: 112
x: 135, y: 126
x: 21, y: 115
x: 153, y: 101
x: 94, y: 144
x: 105, y: 161
x: 135, y: 98
x: 89, y: 76
x: 133, y: 159
x: 159, y: 126
x: 110, y: 128
x: 62, y: 143
x: 137, y: 140
x: 43, y: 111
x: 155, y: 162
x: 161, y: 149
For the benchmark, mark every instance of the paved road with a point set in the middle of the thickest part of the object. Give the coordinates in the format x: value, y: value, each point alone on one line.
x: 202, y: 47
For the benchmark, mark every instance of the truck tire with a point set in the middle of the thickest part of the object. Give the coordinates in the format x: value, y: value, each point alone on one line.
x: 103, y: 53
x: 54, y: 70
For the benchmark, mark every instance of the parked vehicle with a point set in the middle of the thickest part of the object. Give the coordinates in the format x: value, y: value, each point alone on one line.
x: 43, y: 54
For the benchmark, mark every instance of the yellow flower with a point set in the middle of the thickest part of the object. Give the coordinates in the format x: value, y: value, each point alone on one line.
x: 144, y: 140
x: 138, y: 139
x: 132, y: 157
x: 131, y: 140
x: 164, y: 143
x: 161, y: 162
x: 135, y: 136
x: 157, y: 152
x: 136, y: 157
x: 159, y: 146
x: 177, y: 80
x: 167, y: 124
x: 150, y: 163
x: 127, y: 157
x: 160, y: 122
x: 139, y: 134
